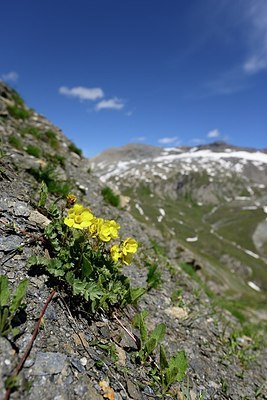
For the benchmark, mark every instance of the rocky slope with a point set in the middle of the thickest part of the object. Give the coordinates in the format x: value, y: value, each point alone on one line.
x: 74, y: 352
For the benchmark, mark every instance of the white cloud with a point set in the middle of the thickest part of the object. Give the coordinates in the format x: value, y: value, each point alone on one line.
x: 111, y: 104
x: 213, y: 134
x: 82, y: 93
x: 169, y: 140
x: 11, y: 76
x: 257, y: 19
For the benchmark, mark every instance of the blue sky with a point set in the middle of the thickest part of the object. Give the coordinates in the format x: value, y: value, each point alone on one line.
x: 112, y: 72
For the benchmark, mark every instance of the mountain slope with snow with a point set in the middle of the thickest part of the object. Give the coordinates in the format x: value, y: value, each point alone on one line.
x: 210, y: 200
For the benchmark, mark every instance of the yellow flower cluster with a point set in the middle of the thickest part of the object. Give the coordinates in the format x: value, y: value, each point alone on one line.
x: 124, y: 251
x: 80, y: 217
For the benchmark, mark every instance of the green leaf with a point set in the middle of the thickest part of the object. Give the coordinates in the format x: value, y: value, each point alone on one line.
x: 78, y: 287
x: 55, y: 267
x: 4, y: 320
x: 54, y: 211
x: 171, y: 375
x: 163, y: 362
x: 136, y: 318
x: 43, y: 194
x: 179, y: 361
x: 153, y: 277
x: 86, y: 267
x: 150, y: 345
x: 4, y: 290
x: 18, y: 296
x: 15, y: 332
x: 159, y: 333
x: 93, y: 292
x: 37, y: 261
x: 136, y: 293
x: 143, y: 329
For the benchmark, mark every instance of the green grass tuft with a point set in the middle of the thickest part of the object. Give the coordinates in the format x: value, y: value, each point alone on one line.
x: 34, y: 151
x: 110, y: 197
x: 75, y: 149
x: 14, y: 141
x: 18, y: 112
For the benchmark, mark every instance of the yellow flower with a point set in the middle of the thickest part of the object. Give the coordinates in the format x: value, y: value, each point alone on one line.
x: 127, y: 258
x: 79, y: 217
x: 115, y: 252
x: 94, y: 228
x: 114, y: 229
x: 108, y: 230
x: 129, y: 245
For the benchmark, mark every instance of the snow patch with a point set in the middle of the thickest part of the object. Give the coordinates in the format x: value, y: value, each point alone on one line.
x: 254, y: 286
x: 139, y: 208
x: 250, y: 253
x: 192, y: 239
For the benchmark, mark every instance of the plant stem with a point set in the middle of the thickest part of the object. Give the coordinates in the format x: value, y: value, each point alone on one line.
x: 30, y: 344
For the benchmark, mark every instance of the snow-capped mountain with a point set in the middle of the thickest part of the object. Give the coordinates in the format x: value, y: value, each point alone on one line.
x: 211, y: 165
x: 211, y: 200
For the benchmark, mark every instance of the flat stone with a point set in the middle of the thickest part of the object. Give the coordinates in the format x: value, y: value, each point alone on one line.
x: 132, y: 390
x: 10, y: 243
x: 39, y: 218
x: 176, y: 312
x: 48, y: 363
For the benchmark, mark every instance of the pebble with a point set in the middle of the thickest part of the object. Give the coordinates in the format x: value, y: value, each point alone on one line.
x: 21, y: 209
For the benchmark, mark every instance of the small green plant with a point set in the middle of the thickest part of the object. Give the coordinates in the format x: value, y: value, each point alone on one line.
x: 80, y: 256
x: 177, y: 298
x: 18, y: 112
x: 47, y: 174
x: 75, y: 149
x: 153, y: 277
x: 52, y: 139
x: 31, y: 130
x: 172, y: 370
x: 10, y: 307
x: 157, y: 248
x: 110, y: 197
x: 14, y: 141
x: 56, y: 159
x: 34, y: 151
x: 148, y: 342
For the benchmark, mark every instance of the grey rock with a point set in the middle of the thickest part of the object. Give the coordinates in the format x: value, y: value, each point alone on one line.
x: 77, y: 364
x: 132, y: 390
x: 10, y: 243
x: 48, y: 363
x: 51, y: 313
x: 21, y: 209
x: 7, y: 363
